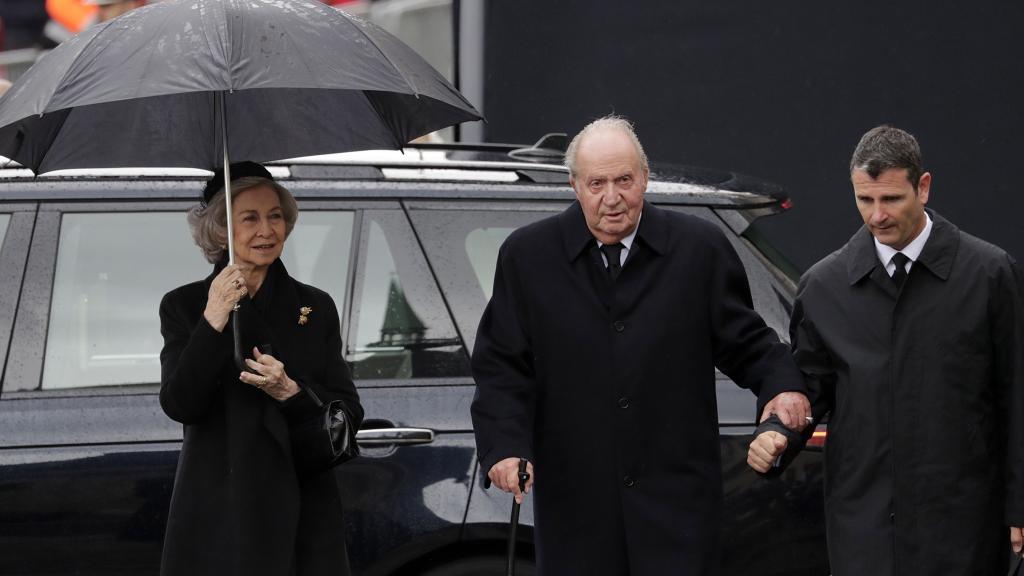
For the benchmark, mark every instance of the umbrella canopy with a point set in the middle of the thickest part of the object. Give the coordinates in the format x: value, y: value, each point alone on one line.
x: 190, y: 82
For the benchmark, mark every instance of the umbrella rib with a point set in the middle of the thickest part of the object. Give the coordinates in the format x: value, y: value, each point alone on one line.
x: 345, y: 16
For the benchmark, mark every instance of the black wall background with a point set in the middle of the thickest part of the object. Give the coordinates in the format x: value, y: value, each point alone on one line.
x: 781, y: 90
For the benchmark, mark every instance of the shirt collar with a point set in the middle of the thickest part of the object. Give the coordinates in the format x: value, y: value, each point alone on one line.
x: 912, y: 250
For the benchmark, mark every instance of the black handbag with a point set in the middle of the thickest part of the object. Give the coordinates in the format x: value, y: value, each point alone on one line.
x: 325, y: 441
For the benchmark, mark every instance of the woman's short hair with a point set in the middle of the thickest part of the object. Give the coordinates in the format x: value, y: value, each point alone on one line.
x: 208, y: 220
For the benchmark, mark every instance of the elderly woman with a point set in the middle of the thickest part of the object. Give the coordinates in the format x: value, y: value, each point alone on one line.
x: 246, y: 499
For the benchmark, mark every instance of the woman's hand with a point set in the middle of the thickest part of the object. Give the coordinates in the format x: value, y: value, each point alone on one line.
x: 226, y: 290
x: 269, y: 377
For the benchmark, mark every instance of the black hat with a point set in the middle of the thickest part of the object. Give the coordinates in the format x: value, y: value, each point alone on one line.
x: 238, y: 170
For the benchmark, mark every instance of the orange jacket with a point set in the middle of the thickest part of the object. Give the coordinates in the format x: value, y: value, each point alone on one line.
x: 74, y: 15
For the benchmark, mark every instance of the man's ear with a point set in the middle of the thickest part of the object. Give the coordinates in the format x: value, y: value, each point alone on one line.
x: 924, y: 186
x: 572, y: 184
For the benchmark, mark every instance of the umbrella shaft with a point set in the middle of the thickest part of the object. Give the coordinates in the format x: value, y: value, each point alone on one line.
x: 222, y: 108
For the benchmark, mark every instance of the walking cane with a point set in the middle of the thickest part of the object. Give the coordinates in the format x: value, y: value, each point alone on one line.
x: 523, y: 477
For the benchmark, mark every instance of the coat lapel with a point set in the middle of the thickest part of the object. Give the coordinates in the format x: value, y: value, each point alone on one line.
x: 583, y: 257
x: 863, y: 262
x: 281, y: 317
x: 937, y: 257
x: 940, y: 251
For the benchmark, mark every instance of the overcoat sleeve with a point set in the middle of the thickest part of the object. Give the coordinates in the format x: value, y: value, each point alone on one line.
x: 190, y: 359
x: 814, y: 362
x: 1006, y: 311
x: 504, y: 405
x: 745, y: 348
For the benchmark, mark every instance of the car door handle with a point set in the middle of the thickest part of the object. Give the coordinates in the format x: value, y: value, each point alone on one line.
x: 394, y: 436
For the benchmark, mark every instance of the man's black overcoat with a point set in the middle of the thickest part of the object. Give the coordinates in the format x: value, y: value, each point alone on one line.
x: 925, y: 452
x: 610, y: 388
x: 239, y: 507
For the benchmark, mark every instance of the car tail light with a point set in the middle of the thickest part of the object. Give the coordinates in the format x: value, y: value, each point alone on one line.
x: 818, y: 438
x: 786, y: 204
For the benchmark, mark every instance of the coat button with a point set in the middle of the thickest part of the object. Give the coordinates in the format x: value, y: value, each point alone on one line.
x: 619, y: 325
x: 623, y: 402
x: 892, y: 517
x: 628, y: 481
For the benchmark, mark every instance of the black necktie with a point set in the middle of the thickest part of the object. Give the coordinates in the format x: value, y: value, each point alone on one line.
x: 899, y: 275
x: 613, y: 252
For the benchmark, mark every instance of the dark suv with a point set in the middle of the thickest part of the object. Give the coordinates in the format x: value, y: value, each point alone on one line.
x: 405, y: 242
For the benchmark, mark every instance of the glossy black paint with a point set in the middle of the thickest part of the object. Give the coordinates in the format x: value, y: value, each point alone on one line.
x: 86, y: 474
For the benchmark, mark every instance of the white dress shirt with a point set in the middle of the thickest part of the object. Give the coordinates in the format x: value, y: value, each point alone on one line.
x: 912, y: 250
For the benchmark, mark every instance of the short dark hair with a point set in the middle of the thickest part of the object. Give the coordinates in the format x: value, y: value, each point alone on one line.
x: 887, y: 147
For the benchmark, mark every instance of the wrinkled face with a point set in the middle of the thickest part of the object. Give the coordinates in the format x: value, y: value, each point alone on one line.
x: 259, y: 227
x: 610, y: 183
x: 892, y: 207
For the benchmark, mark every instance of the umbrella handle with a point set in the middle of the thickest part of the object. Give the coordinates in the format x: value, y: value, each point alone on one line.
x: 236, y: 331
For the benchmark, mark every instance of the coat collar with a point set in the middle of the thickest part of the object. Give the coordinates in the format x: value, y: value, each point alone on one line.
x: 937, y: 256
x: 576, y: 236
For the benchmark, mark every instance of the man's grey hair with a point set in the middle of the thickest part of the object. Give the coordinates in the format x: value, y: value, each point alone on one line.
x: 612, y: 122
x: 209, y: 224
x: 886, y: 147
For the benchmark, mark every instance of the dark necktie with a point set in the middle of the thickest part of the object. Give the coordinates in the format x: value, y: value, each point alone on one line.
x: 613, y: 252
x: 899, y: 275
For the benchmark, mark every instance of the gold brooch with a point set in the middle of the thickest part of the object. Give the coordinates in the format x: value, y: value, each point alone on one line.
x: 304, y: 315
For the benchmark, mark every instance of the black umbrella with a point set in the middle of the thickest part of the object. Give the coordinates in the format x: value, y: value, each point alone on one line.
x: 192, y: 83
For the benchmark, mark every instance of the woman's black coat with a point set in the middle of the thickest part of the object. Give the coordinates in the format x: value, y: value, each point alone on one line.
x: 239, y: 507
x: 610, y: 388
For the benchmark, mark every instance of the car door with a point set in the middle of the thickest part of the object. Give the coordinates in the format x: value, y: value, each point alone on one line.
x: 406, y: 496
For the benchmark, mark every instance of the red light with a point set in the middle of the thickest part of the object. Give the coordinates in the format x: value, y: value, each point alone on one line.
x: 818, y: 438
x: 786, y: 204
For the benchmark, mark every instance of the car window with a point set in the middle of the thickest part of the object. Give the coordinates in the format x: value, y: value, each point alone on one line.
x: 401, y: 327
x: 319, y: 250
x: 462, y: 246
x: 481, y: 248
x: 769, y: 301
x: 112, y: 270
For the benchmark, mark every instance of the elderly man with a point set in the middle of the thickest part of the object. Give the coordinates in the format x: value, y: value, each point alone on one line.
x: 912, y: 337
x: 595, y: 361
